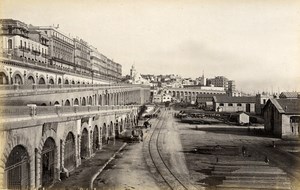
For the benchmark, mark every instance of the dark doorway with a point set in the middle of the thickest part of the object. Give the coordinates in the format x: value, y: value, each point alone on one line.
x: 70, y: 155
x: 17, y: 169
x: 48, y: 156
x: 248, y: 108
x: 84, y: 144
x: 95, y: 139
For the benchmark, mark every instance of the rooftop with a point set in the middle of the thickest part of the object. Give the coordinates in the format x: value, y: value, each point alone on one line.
x: 287, y: 106
x: 229, y: 99
x: 289, y: 95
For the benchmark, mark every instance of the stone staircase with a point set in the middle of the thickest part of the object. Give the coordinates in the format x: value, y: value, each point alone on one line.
x: 246, y: 175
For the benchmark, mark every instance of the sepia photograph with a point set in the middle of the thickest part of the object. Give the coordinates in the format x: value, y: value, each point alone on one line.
x: 150, y: 94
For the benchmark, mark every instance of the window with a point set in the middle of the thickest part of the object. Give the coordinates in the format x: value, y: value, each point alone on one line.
x: 230, y: 104
x: 9, y: 43
x: 239, y: 104
x: 221, y: 104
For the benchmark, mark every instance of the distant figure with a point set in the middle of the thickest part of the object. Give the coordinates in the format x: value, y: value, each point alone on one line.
x: 267, y: 159
x: 244, y: 151
x: 107, y: 140
x: 142, y: 135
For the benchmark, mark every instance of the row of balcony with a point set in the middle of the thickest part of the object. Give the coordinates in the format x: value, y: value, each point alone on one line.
x: 32, y: 110
x: 66, y: 86
x: 89, y: 73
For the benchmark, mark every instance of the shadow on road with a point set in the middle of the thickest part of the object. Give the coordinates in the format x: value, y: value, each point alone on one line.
x: 234, y: 131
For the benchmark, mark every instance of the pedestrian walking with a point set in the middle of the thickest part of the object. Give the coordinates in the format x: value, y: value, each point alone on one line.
x: 142, y: 135
x: 107, y: 140
x: 244, y: 150
x: 267, y: 159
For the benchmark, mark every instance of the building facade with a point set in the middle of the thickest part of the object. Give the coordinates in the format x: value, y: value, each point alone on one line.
x: 64, y: 59
x: 282, y: 117
x: 234, y: 104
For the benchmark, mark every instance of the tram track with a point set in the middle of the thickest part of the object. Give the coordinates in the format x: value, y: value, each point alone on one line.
x: 167, y: 178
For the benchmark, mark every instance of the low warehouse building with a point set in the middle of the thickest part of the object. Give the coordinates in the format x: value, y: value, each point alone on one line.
x: 282, y: 117
x: 234, y: 104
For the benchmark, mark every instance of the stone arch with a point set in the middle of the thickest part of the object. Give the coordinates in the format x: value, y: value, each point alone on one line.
x: 17, y: 77
x: 51, y: 80
x: 69, y: 147
x: 56, y: 103
x: 111, y: 129
x: 121, y: 125
x: 15, y: 141
x: 18, y: 163
x: 90, y: 101
x: 76, y: 101
x: 41, y: 79
x: 48, y: 134
x: 66, y: 81
x: 117, y: 131
x: 30, y: 78
x: 59, y: 80
x: 4, y: 77
x: 83, y: 101
x: 67, y: 102
x: 73, y: 82
x: 100, y: 100
x: 96, y: 139
x: 84, y: 145
x: 104, y: 132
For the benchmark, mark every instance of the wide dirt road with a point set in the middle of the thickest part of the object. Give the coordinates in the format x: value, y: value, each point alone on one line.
x: 127, y: 171
x: 130, y: 170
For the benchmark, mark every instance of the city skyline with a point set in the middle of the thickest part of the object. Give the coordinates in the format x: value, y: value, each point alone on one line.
x: 253, y: 43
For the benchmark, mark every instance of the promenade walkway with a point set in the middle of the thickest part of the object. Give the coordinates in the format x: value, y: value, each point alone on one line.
x: 81, y: 177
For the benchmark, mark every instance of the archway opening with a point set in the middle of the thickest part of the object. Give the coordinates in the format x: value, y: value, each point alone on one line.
x: 30, y: 80
x: 66, y: 81
x: 59, y: 80
x: 18, y: 79
x: 117, y: 132
x: 95, y: 139
x: 69, y: 153
x: 76, y: 102
x: 42, y: 81
x: 104, y: 133
x: 51, y: 81
x: 67, y: 103
x: 48, y: 157
x: 83, y: 102
x: 111, y: 129
x: 17, y: 169
x: 90, y: 101
x: 100, y: 100
x: 84, y: 147
x: 3, y: 78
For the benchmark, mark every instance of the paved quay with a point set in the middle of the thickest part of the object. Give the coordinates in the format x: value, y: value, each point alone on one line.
x: 81, y: 177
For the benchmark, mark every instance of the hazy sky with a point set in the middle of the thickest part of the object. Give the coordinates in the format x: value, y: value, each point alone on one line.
x: 256, y: 43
